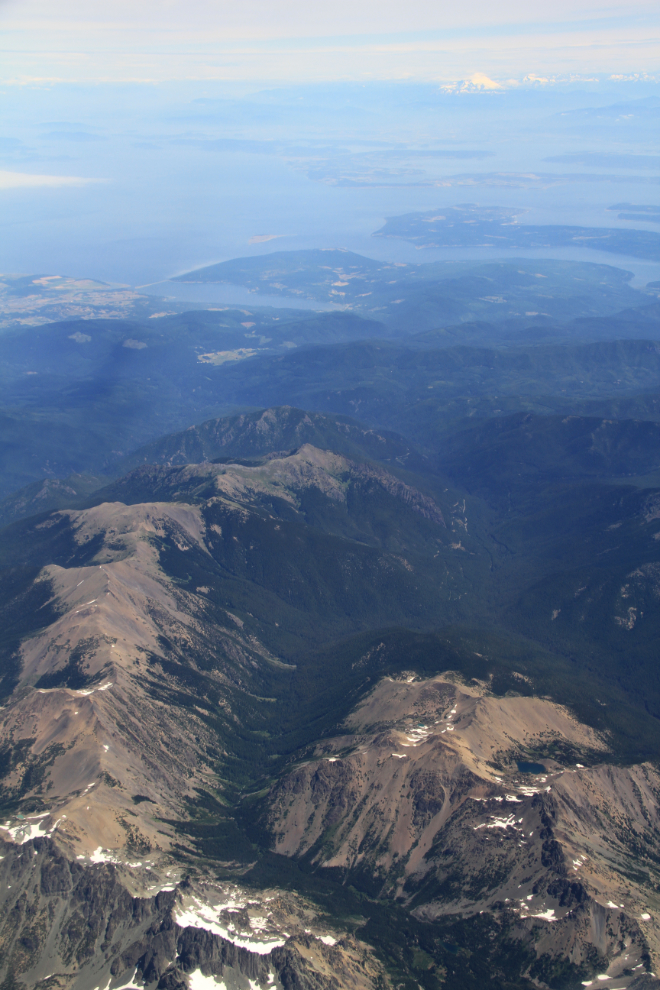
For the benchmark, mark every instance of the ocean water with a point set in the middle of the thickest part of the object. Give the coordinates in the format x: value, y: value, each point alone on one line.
x: 180, y: 181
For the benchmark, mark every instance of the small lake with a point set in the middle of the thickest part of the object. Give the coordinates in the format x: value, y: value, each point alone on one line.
x: 524, y: 767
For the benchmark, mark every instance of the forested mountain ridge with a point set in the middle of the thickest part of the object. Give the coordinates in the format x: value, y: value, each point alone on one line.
x: 333, y: 665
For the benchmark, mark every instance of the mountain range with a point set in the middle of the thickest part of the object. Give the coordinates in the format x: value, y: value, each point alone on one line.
x: 366, y: 692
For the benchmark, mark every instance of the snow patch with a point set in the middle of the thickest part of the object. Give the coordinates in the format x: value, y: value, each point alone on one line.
x: 197, y: 981
x: 30, y: 827
x: 200, y: 915
x: 83, y: 692
x: 509, y: 822
x: 417, y: 736
x: 100, y: 856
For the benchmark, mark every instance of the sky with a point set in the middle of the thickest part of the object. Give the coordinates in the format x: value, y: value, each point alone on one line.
x: 476, y: 41
x: 143, y: 139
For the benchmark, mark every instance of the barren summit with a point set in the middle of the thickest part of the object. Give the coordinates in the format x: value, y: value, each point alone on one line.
x: 207, y: 740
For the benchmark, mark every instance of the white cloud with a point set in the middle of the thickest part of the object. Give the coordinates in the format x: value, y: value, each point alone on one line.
x: 228, y: 20
x: 25, y: 180
x: 309, y: 40
x: 262, y: 238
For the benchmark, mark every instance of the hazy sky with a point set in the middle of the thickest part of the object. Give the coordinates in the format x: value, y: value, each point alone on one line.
x: 298, y: 40
x: 145, y: 138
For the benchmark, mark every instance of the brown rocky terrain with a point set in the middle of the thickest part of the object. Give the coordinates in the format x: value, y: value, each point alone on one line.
x: 288, y: 475
x: 67, y: 924
x: 113, y: 736
x: 427, y: 792
x: 100, y: 765
x: 93, y: 749
x: 135, y: 724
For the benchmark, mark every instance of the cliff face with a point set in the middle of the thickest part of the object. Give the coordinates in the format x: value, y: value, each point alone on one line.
x: 68, y: 924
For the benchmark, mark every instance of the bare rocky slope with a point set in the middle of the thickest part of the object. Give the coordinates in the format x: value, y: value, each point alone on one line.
x: 169, y: 756
x: 436, y: 792
x: 72, y: 924
x: 99, y: 765
x: 103, y: 751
